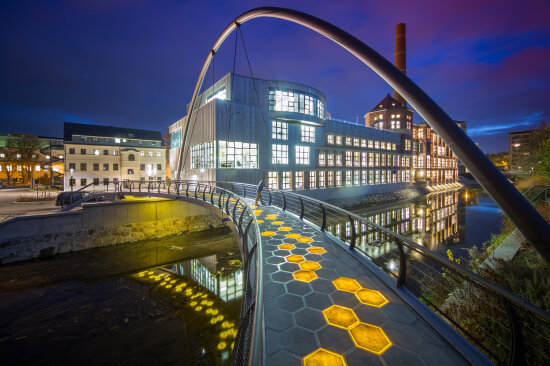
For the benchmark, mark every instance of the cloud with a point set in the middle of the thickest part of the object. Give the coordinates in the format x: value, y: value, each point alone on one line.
x: 494, y: 129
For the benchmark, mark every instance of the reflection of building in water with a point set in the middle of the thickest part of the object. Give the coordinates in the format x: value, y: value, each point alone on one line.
x: 227, y: 285
x: 438, y: 218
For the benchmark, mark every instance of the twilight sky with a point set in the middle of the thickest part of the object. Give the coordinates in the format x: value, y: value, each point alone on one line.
x: 134, y: 63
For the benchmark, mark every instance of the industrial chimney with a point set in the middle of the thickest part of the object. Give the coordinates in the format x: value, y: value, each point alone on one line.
x: 400, y: 58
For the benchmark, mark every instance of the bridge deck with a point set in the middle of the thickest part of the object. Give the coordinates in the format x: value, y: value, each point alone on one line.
x: 321, y: 304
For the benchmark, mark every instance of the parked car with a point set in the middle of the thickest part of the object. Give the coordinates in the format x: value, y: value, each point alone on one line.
x: 68, y: 198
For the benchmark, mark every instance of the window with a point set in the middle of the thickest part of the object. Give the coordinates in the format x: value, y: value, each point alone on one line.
x: 72, y: 182
x: 82, y: 151
x: 130, y: 171
x: 321, y: 159
x: 321, y: 179
x: 142, y: 167
x: 293, y: 101
x: 115, y: 166
x: 83, y: 181
x: 338, y: 159
x: 338, y: 140
x: 83, y: 166
x: 407, y: 145
x: 356, y: 159
x: 105, y: 152
x: 273, y: 180
x: 349, y: 161
x: 115, y: 152
x: 338, y: 178
x: 131, y: 157
x: 371, y: 160
x: 299, y: 180
x: 370, y: 144
x: 302, y: 155
x: 383, y: 176
x: 142, y: 153
x: 330, y: 159
x: 330, y: 178
x: 348, y: 141
x: 96, y: 151
x: 150, y: 154
x: 105, y: 181
x: 71, y: 150
x: 96, y: 181
x: 159, y: 154
x: 105, y: 167
x: 308, y: 133
x: 279, y: 154
x: 312, y: 182
x: 286, y: 180
x: 204, y: 156
x: 279, y: 130
x: 330, y: 139
x: 371, y: 177
x: 377, y: 159
x: 72, y: 166
x: 348, y: 178
x: 364, y: 177
x: 96, y: 166
x: 219, y: 94
x: 363, y: 143
x: 117, y: 141
x: 363, y: 159
x: 356, y: 177
x: 377, y: 144
x: 159, y: 167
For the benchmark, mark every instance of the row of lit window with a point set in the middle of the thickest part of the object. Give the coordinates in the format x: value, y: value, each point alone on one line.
x: 363, y: 159
x: 107, y: 166
x: 106, y: 181
x: 279, y: 131
x: 358, y: 142
x: 329, y: 178
x: 293, y: 101
x: 279, y: 154
x: 72, y: 151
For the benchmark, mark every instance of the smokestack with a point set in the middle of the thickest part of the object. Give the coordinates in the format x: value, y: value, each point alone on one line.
x: 400, y: 58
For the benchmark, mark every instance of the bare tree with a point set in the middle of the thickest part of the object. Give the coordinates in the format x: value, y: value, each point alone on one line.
x: 8, y: 159
x: 27, y: 150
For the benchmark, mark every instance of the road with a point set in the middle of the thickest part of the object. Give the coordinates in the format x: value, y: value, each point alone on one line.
x: 10, y: 208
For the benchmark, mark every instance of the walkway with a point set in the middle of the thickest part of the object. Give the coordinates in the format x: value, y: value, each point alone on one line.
x: 323, y: 307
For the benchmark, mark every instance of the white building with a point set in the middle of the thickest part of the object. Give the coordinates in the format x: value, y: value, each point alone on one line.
x: 101, y: 154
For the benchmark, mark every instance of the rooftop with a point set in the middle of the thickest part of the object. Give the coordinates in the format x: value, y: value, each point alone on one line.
x: 70, y: 129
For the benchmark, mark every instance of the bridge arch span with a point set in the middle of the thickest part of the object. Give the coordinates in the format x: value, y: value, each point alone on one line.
x: 510, y: 200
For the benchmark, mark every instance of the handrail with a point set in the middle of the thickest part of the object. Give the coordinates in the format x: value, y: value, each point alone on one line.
x: 252, y: 353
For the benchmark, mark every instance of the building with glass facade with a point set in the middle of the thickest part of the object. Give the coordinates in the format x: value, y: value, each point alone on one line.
x: 286, y: 132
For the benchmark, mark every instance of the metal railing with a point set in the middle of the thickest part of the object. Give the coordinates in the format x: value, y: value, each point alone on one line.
x: 249, y: 342
x: 537, y: 192
x: 504, y: 326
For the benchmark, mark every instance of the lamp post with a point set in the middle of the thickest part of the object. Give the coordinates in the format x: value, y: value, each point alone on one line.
x: 71, y: 180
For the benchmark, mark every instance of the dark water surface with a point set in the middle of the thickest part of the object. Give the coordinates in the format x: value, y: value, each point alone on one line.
x: 173, y: 301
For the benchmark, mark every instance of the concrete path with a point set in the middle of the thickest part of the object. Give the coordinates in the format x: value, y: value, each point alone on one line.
x: 323, y: 307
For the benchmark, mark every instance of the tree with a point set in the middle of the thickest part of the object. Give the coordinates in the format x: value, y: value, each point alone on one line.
x: 543, y: 155
x: 27, y: 150
x: 8, y: 157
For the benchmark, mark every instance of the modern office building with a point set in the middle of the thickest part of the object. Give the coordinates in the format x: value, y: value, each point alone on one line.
x: 98, y: 155
x: 290, y: 136
x: 523, y: 148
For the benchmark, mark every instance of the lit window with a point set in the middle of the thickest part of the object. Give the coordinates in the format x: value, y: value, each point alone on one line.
x: 286, y: 180
x: 279, y: 154
x: 220, y: 94
x: 338, y: 140
x: 371, y: 177
x: 150, y: 154
x: 312, y: 179
x: 96, y: 152
x: 330, y: 178
x: 233, y: 154
x: 348, y: 178
x: 338, y: 178
x: 356, y: 177
x: 348, y: 141
x: 18, y: 156
x: 299, y: 180
x: 321, y: 159
x: 363, y: 143
x: 349, y: 158
x: 364, y: 177
x: 370, y: 144
x: 273, y: 180
x: 142, y: 153
x: 279, y: 130
x: 321, y: 179
x: 308, y: 133
x: 159, y: 154
x: 377, y: 144
x: 330, y: 139
x: 356, y: 142
x: 338, y: 159
x: 130, y: 171
x: 118, y: 142
x: 356, y: 159
x: 302, y: 155
x: 330, y: 159
x: 371, y: 159
x: 203, y: 156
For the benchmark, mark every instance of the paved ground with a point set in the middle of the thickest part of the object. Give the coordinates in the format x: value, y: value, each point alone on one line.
x: 10, y: 208
x: 321, y: 305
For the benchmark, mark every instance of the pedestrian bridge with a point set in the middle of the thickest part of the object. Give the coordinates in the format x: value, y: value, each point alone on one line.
x: 324, y: 286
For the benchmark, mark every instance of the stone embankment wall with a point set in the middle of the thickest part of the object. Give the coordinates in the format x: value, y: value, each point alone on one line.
x: 100, y: 224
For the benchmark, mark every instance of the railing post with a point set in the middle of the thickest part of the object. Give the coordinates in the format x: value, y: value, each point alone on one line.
x: 353, y: 234
x: 204, y: 192
x: 139, y: 187
x: 187, y: 189
x: 178, y: 188
x: 301, y: 208
x: 244, y: 191
x: 235, y: 210
x: 212, y: 190
x: 241, y: 221
x: 169, y: 184
x: 402, y: 276
x: 227, y: 204
x: 515, y: 357
x: 324, y: 223
x: 268, y: 191
x: 220, y: 198
x: 196, y: 189
x: 245, y: 242
x: 149, y: 187
x: 284, y: 201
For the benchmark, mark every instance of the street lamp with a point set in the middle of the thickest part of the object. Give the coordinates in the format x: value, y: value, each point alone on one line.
x: 71, y: 180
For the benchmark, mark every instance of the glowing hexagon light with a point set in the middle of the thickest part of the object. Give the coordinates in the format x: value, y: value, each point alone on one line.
x: 371, y: 297
x: 268, y: 233
x: 370, y: 338
x: 287, y: 246
x: 305, y: 240
x: 346, y: 284
x: 310, y: 266
x: 304, y: 276
x: 340, y: 316
x: 294, y: 258
x: 293, y: 236
x: 316, y: 250
x: 323, y: 357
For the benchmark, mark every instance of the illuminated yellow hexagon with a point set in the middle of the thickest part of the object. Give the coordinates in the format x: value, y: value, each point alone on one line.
x: 370, y: 338
x: 371, y: 297
x: 287, y: 246
x: 304, y: 276
x: 316, y: 250
x: 293, y: 236
x: 277, y: 222
x: 305, y: 240
x: 323, y: 357
x: 310, y: 266
x: 340, y: 316
x: 260, y: 221
x: 268, y: 233
x: 285, y: 228
x: 258, y: 212
x: 346, y: 284
x: 295, y: 258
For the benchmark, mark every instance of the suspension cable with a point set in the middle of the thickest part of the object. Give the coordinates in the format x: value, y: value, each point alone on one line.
x: 232, y: 81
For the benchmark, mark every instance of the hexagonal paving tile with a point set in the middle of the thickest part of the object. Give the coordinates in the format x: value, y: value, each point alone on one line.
x: 277, y: 222
x: 309, y: 265
x: 322, y: 357
x: 370, y: 297
x: 316, y: 250
x: 305, y: 240
x: 370, y: 338
x: 295, y: 258
x: 340, y: 316
x: 293, y: 236
x: 346, y: 284
x: 305, y: 276
x: 268, y: 233
x: 285, y: 228
x: 287, y: 246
